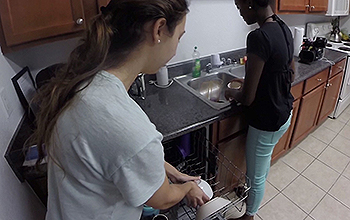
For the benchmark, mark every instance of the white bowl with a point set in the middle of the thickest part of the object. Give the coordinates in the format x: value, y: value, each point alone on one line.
x: 205, y: 187
x: 211, y: 207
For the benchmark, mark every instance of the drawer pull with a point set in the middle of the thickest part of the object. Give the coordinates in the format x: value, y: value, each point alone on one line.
x: 79, y: 21
x: 319, y: 80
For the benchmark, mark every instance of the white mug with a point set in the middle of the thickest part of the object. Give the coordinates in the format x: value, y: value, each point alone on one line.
x: 162, y: 76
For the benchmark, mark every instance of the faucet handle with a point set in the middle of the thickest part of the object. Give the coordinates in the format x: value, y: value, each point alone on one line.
x: 223, y: 61
x: 208, y: 67
x: 228, y: 61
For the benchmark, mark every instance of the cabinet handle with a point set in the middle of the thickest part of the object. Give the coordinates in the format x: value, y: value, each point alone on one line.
x: 319, y: 80
x: 312, y: 7
x: 307, y: 6
x: 79, y: 21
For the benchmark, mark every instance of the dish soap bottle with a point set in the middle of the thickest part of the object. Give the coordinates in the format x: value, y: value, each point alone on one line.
x: 196, y: 72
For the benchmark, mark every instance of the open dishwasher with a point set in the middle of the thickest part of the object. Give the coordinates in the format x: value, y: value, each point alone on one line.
x: 205, y: 160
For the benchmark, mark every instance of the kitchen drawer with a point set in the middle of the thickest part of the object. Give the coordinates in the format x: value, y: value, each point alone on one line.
x: 297, y: 90
x: 316, y: 80
x: 338, y: 67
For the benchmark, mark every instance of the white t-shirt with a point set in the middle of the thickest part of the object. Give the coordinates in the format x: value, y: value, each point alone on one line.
x: 111, y: 154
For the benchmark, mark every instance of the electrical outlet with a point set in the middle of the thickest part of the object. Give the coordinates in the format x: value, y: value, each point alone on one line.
x: 6, y: 102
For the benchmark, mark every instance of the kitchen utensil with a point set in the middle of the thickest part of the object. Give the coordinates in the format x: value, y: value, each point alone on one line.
x: 235, y: 84
x: 211, y: 89
x: 237, y: 210
x: 211, y: 207
x: 205, y: 187
x: 335, y: 34
x: 149, y: 211
x: 335, y: 37
x: 160, y: 217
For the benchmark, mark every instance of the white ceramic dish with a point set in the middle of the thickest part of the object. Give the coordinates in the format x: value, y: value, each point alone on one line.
x: 237, y: 210
x: 205, y: 187
x: 211, y: 207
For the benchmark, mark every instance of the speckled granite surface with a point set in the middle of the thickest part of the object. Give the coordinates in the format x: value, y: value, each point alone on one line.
x: 175, y: 111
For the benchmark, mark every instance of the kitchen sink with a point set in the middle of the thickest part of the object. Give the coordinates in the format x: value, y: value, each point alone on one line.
x: 210, y: 87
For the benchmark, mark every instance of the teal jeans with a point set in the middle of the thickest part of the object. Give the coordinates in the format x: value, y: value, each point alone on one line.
x: 259, y: 148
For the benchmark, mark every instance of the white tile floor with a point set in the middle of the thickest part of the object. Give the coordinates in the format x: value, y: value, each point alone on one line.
x: 312, y: 182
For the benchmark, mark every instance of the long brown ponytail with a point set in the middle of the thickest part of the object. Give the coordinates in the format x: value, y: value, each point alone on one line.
x: 109, y: 39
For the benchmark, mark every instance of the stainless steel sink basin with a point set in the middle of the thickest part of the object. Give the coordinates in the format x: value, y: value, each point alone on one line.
x: 210, y: 87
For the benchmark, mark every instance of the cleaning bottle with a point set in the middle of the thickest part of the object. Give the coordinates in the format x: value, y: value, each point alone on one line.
x: 196, y: 72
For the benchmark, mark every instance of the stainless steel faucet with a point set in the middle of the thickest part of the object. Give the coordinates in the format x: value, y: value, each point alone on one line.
x: 138, y: 88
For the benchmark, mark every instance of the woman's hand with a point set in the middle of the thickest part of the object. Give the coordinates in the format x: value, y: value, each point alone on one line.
x: 176, y: 176
x: 181, y: 178
x: 231, y: 94
x: 196, y: 197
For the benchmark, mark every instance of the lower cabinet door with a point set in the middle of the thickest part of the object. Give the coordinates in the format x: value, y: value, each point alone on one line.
x: 308, y: 113
x: 331, y: 97
x: 234, y: 151
x: 284, y: 143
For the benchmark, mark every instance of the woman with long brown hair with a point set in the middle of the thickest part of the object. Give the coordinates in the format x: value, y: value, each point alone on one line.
x: 105, y: 156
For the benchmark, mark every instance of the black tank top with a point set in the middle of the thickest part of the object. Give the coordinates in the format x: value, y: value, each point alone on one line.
x: 273, y: 102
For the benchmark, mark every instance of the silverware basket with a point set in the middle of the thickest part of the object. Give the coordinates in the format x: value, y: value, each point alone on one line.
x: 205, y: 160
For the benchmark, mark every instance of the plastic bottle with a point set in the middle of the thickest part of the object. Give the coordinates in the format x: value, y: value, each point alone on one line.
x: 196, y: 72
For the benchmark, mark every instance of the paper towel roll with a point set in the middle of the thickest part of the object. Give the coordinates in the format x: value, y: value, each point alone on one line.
x: 162, y: 76
x: 298, y: 40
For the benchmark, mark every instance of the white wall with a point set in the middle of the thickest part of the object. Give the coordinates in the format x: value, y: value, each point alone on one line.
x: 17, y: 201
x: 214, y: 26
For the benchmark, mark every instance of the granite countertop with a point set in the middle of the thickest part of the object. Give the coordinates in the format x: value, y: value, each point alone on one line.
x: 304, y: 71
x: 175, y: 111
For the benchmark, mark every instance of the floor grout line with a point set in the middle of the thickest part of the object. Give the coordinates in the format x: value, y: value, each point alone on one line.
x: 301, y: 173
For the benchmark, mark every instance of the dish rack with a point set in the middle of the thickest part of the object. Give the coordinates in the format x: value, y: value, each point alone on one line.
x: 205, y: 160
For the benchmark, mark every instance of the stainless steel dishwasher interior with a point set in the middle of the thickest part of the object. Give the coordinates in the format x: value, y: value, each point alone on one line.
x: 210, y: 87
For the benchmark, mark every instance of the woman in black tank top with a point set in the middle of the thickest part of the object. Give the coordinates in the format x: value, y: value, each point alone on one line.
x: 266, y: 92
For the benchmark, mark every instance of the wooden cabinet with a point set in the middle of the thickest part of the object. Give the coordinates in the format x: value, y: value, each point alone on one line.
x: 28, y: 23
x: 330, y: 97
x: 320, y: 96
x: 283, y: 144
x: 308, y: 113
x: 102, y: 3
x: 301, y: 6
x: 229, y: 136
x: 234, y: 151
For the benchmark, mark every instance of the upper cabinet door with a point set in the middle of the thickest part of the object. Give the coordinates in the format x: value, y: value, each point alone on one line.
x: 301, y: 6
x: 24, y: 21
x: 318, y: 5
x: 293, y: 5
